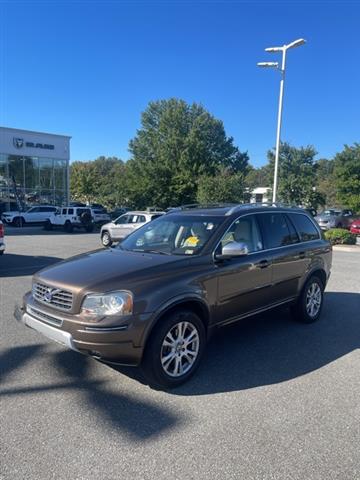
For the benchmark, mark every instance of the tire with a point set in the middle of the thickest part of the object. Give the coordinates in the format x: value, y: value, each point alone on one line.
x: 48, y: 225
x: 106, y: 239
x: 1, y: 252
x: 68, y: 227
x: 19, y: 222
x: 305, y: 310
x: 161, y: 363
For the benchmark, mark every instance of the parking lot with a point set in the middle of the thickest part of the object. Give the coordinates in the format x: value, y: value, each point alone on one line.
x: 273, y: 399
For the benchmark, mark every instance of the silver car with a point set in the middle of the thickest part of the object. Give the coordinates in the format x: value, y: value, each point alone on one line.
x: 334, y: 218
x: 125, y: 224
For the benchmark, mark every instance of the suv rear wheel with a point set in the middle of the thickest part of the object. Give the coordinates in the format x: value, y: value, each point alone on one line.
x: 68, y: 227
x: 174, y: 350
x: 309, y: 305
x: 19, y: 221
x: 106, y: 239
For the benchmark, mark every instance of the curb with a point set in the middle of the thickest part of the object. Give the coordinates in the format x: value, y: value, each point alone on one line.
x: 347, y: 248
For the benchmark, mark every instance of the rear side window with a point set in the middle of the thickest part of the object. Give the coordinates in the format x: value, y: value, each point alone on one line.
x: 141, y: 219
x: 277, y: 231
x: 154, y: 217
x: 70, y: 211
x: 305, y: 227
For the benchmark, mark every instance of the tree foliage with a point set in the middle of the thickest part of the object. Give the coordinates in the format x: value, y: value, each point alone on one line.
x: 297, y: 175
x: 175, y: 146
x: 226, y: 186
x: 347, y: 176
x: 101, y: 180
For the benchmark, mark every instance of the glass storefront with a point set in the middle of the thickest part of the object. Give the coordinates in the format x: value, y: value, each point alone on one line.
x: 27, y: 181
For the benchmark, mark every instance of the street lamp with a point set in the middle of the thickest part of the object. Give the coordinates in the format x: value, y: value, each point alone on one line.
x: 282, y: 49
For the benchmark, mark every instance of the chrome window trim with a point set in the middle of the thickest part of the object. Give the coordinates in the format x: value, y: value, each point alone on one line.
x: 273, y: 248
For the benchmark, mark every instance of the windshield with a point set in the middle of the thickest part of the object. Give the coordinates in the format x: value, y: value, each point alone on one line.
x: 173, y: 235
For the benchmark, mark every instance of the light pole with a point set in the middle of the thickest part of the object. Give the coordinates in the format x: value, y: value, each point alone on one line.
x: 282, y: 49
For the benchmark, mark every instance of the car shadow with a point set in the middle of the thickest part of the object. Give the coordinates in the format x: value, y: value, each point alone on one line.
x: 138, y: 418
x: 40, y: 230
x: 14, y: 265
x: 272, y: 348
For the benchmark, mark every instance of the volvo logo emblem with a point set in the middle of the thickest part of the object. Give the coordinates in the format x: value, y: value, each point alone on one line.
x: 18, y: 142
x: 48, y: 296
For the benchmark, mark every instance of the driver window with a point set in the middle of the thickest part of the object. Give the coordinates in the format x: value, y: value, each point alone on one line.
x: 244, y: 230
x: 122, y: 219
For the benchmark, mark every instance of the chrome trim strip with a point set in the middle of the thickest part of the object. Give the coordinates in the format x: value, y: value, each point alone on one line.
x: 105, y: 329
x: 255, y: 312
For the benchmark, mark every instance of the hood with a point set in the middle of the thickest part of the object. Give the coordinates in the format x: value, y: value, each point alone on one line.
x: 10, y: 214
x: 106, y: 270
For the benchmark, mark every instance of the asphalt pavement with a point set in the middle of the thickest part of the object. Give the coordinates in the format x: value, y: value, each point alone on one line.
x: 272, y: 399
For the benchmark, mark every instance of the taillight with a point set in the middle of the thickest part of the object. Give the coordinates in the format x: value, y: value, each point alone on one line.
x: 2, y: 230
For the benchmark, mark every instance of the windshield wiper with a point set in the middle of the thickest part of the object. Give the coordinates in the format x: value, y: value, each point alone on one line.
x: 160, y: 252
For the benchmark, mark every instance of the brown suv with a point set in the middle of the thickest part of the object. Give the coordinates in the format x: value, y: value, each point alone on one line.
x: 155, y: 299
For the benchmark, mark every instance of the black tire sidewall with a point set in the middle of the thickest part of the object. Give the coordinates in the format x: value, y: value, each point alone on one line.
x: 152, y: 363
x: 301, y: 312
x: 68, y: 227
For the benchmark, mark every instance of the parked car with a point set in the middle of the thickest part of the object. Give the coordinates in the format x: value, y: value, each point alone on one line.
x: 355, y: 227
x: 124, y: 225
x: 100, y: 216
x: 334, y: 218
x: 34, y: 216
x: 69, y: 218
x: 114, y: 214
x: 2, y: 235
x: 156, y: 298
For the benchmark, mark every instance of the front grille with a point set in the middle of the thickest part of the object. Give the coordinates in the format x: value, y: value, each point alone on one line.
x: 44, y: 317
x: 53, y: 297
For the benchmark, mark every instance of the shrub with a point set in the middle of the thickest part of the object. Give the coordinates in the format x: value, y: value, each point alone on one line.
x: 340, y: 236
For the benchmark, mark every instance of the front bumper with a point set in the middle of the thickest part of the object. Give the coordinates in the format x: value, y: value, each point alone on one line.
x: 118, y: 344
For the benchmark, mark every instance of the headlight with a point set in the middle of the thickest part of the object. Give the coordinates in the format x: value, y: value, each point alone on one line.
x: 114, y: 303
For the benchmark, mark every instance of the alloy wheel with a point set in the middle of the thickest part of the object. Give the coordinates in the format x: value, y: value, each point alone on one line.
x: 313, y: 299
x: 180, y: 349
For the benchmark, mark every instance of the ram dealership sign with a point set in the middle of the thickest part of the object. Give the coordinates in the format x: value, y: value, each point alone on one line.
x: 19, y: 143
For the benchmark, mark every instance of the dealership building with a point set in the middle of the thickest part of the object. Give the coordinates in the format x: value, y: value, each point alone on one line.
x: 34, y: 168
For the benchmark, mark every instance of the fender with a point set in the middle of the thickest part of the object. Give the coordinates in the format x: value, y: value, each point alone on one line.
x: 171, y: 303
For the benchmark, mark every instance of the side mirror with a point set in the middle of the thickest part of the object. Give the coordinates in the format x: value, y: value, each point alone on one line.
x: 233, y: 249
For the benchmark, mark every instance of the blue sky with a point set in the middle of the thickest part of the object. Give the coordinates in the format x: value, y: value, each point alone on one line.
x: 88, y: 69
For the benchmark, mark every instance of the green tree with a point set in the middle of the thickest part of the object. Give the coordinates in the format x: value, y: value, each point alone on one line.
x: 175, y: 146
x: 297, y: 175
x: 101, y: 180
x: 325, y: 181
x: 347, y: 176
x: 226, y: 186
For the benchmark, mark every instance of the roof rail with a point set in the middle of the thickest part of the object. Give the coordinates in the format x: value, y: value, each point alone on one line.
x: 191, y: 206
x: 240, y: 206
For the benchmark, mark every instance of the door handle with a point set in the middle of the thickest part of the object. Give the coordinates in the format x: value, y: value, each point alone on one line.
x: 302, y: 255
x: 263, y: 264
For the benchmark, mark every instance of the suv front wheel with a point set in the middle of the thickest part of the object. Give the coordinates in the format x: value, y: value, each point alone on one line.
x: 106, y: 239
x: 308, y: 307
x: 174, y: 349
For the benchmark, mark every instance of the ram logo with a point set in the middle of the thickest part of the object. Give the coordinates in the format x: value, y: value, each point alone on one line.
x: 18, y: 142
